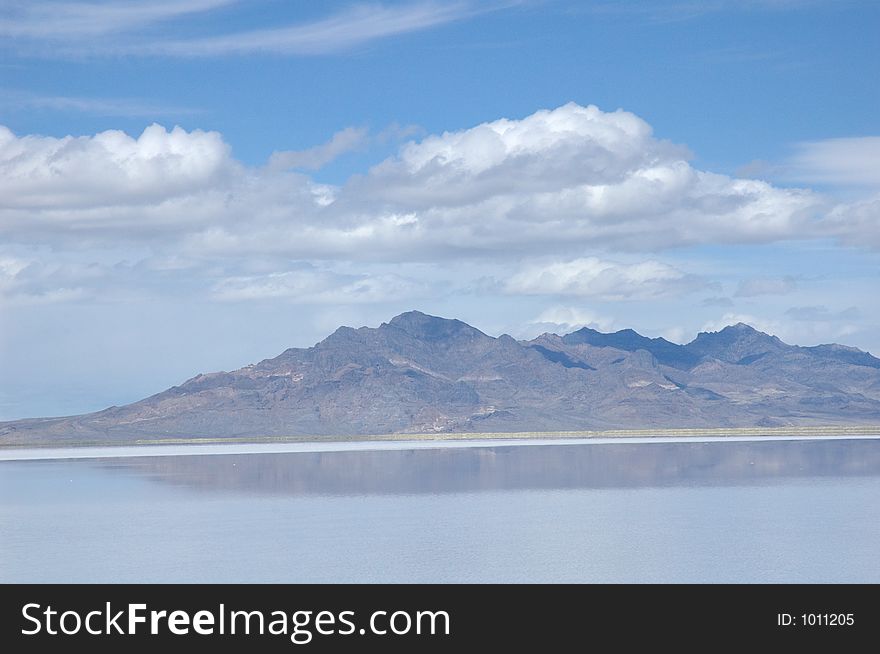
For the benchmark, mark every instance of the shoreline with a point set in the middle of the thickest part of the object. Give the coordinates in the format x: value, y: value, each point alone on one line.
x: 304, y: 444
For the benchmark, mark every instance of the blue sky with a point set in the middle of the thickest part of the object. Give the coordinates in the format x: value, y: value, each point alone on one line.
x: 281, y: 168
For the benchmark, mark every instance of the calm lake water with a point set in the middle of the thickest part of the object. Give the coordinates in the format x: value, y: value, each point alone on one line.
x: 730, y: 511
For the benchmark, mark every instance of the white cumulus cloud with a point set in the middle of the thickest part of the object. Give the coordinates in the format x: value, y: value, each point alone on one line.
x: 110, y: 168
x: 550, y: 186
x: 116, y: 188
x: 572, y: 175
x: 555, y: 181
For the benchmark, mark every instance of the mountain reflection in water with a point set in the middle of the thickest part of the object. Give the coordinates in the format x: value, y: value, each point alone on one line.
x: 451, y: 470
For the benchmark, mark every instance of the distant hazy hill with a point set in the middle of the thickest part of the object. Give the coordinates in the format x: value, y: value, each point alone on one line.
x: 419, y: 373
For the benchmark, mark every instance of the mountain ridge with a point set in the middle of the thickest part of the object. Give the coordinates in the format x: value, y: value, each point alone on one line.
x: 421, y: 374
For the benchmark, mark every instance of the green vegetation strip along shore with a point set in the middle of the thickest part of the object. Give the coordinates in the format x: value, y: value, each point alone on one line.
x: 722, y: 432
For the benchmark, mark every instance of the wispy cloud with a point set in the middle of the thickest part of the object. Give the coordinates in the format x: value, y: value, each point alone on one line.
x: 717, y: 301
x: 15, y: 99
x: 667, y: 11
x: 113, y: 28
x: 607, y: 280
x: 342, y: 31
x: 24, y: 281
x: 316, y: 286
x: 564, y: 320
x: 343, y: 141
x: 841, y: 161
x: 766, y: 286
x: 821, y: 313
x: 768, y: 326
x: 69, y: 20
x: 350, y: 139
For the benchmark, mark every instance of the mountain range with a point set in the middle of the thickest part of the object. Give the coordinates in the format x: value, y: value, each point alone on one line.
x: 424, y: 374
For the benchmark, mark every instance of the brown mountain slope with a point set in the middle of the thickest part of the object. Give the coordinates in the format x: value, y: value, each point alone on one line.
x: 419, y: 373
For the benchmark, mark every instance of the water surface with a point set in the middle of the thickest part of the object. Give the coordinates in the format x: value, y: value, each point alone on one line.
x: 680, y: 511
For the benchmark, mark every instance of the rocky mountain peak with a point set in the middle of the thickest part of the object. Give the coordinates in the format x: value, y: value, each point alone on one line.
x: 736, y: 343
x: 739, y: 330
x: 629, y: 340
x: 431, y: 328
